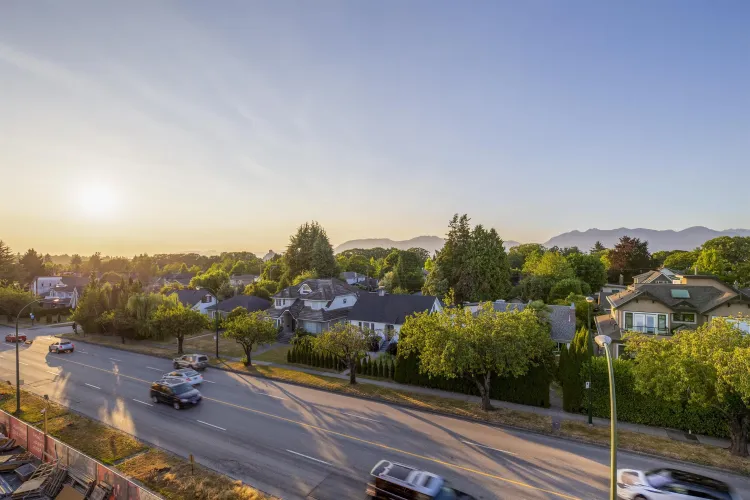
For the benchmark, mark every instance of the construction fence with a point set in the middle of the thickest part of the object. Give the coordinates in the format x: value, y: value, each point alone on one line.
x: 32, y: 439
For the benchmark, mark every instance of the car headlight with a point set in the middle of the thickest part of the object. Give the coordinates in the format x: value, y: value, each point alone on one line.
x: 184, y: 400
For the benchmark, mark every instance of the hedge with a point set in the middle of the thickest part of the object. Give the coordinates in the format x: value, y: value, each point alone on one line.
x: 638, y: 408
x: 531, y: 389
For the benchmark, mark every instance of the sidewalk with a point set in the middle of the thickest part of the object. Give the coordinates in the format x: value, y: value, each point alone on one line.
x: 555, y: 414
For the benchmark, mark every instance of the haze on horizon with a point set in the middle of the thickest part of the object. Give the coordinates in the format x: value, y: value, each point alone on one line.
x: 172, y: 126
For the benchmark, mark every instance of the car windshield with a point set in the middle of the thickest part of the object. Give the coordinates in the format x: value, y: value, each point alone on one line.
x: 182, y: 388
x: 190, y: 373
x: 657, y: 478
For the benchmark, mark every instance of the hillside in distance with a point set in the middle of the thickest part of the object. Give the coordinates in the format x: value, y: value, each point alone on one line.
x: 686, y: 239
x: 429, y: 243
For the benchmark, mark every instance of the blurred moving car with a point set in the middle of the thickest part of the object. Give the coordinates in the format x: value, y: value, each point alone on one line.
x: 62, y: 346
x: 194, y: 361
x: 11, y: 337
x: 394, y: 481
x: 188, y: 375
x: 174, y: 392
x: 669, y: 484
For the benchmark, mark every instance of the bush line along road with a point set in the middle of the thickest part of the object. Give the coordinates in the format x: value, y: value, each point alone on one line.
x: 293, y: 441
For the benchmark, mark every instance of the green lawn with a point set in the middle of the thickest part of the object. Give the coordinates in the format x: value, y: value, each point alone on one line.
x: 275, y: 355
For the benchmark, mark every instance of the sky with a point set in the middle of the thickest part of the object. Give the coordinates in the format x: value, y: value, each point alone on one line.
x: 130, y: 127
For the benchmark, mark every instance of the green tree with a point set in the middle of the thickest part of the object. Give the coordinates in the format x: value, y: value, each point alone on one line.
x: 549, y: 265
x: 94, y: 301
x: 421, y: 254
x: 309, y: 249
x: 680, y: 260
x: 8, y: 270
x: 536, y: 287
x: 346, y: 342
x: 476, y: 346
x: 303, y: 276
x: 179, y: 321
x: 95, y: 262
x: 563, y: 288
x: 249, y: 330
x: 598, y: 247
x: 517, y: 255
x: 472, y: 263
x: 359, y: 264
x: 578, y: 353
x: 708, y: 367
x: 257, y: 291
x: 142, y: 306
x: 215, y: 280
x: 12, y: 300
x: 32, y: 265
x: 407, y: 273
x: 75, y: 263
x: 589, y: 269
x: 323, y: 261
x: 144, y: 267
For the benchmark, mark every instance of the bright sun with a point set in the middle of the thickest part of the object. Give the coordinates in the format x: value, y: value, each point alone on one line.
x: 97, y: 200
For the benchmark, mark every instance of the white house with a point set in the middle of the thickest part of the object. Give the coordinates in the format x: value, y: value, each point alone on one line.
x: 314, y: 305
x: 43, y: 284
x: 353, y: 278
x: 198, y: 300
x: 242, y: 280
x: 270, y: 255
x: 385, y: 314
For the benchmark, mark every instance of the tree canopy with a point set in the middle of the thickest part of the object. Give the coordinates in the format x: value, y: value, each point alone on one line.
x: 345, y: 342
x: 8, y: 270
x: 179, y: 321
x: 458, y: 343
x: 309, y: 250
x: 249, y: 330
x: 213, y: 280
x: 629, y: 257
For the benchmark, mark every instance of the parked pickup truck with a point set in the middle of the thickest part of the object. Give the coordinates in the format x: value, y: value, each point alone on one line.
x: 394, y: 481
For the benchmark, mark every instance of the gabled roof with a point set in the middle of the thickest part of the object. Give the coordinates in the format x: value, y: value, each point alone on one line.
x: 701, y: 297
x: 320, y: 289
x: 651, y: 276
x: 79, y: 282
x: 389, y: 309
x: 562, y: 319
x: 249, y: 302
x: 190, y: 297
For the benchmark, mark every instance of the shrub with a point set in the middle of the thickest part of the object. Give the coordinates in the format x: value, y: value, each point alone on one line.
x: 358, y: 367
x: 392, y: 349
x: 289, y: 356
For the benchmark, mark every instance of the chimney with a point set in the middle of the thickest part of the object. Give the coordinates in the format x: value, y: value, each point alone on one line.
x: 622, y: 280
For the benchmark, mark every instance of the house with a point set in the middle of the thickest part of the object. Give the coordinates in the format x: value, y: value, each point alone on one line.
x: 352, y: 278
x: 198, y: 300
x: 662, y: 275
x: 661, y: 309
x: 249, y: 302
x: 385, y: 314
x: 66, y: 293
x: 611, y: 288
x: 313, y: 305
x: 269, y: 256
x: 562, y: 319
x: 242, y: 280
x: 43, y: 284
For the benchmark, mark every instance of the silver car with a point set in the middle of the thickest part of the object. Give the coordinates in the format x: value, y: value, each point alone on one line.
x: 668, y: 484
x: 194, y: 361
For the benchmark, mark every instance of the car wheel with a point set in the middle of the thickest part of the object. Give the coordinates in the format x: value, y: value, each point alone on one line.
x: 155, y: 399
x: 176, y: 366
x: 176, y: 405
x: 640, y: 497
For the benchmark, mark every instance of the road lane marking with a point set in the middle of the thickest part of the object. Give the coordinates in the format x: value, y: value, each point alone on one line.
x: 489, y: 448
x: 353, y: 438
x: 95, y: 387
x: 363, y: 418
x: 270, y: 396
x: 309, y: 458
x: 212, y: 425
x: 53, y: 373
x: 142, y: 402
x: 152, y: 368
x: 22, y: 363
x: 208, y: 381
x: 84, y: 352
x: 114, y: 359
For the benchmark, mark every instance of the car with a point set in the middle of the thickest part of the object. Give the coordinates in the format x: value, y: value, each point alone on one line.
x: 62, y: 346
x: 667, y: 484
x: 12, y: 338
x: 175, y: 392
x: 188, y: 375
x: 395, y: 481
x: 194, y: 361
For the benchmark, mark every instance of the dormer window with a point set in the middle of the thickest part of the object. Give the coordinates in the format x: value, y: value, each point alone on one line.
x: 305, y: 289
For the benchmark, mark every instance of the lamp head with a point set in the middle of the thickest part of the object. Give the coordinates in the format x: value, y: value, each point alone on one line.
x: 602, y: 340
x: 590, y: 300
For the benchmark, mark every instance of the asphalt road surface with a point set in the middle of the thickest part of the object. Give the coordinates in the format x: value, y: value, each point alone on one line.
x: 295, y: 442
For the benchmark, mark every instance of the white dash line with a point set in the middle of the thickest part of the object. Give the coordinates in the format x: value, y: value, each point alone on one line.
x: 489, y: 447
x: 84, y: 352
x: 152, y: 368
x: 310, y: 458
x: 115, y: 359
x: 363, y: 418
x: 95, y: 387
x: 208, y: 381
x: 22, y: 363
x: 211, y: 425
x: 53, y: 373
x: 142, y: 402
x: 275, y: 397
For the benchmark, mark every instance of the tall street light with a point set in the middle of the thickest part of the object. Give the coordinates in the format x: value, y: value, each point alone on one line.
x: 18, y: 364
x: 604, y: 341
x: 589, y: 301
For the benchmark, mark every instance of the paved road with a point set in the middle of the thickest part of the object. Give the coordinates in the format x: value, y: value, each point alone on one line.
x: 296, y: 442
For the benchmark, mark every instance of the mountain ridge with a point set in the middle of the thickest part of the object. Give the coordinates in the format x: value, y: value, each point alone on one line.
x: 429, y: 243
x: 658, y: 239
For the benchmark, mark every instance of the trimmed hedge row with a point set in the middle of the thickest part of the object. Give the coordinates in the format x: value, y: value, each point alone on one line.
x: 531, y: 389
x: 637, y: 408
x: 372, y: 368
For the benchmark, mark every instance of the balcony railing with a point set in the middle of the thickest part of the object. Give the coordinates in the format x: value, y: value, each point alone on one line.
x: 649, y: 329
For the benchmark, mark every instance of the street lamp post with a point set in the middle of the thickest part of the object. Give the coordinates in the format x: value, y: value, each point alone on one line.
x: 18, y: 364
x: 589, y: 301
x: 605, y: 342
x: 216, y: 318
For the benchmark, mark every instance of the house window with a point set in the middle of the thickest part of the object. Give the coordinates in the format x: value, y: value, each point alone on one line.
x: 646, y: 322
x: 344, y: 300
x: 742, y: 325
x: 683, y: 317
x: 304, y: 289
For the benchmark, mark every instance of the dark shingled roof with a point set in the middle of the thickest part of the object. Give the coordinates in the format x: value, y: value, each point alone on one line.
x: 702, y: 298
x: 249, y: 302
x: 190, y: 297
x: 605, y: 325
x: 389, y: 309
x: 321, y: 289
x: 562, y: 319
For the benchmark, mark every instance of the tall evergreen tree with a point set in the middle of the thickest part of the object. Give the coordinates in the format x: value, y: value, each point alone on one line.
x: 579, y: 352
x: 8, y: 270
x: 322, y: 260
x: 32, y: 265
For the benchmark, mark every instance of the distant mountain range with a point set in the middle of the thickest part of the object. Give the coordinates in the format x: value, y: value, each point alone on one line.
x: 429, y: 243
x: 668, y: 239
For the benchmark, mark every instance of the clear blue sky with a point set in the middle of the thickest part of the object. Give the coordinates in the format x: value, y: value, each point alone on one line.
x: 166, y: 126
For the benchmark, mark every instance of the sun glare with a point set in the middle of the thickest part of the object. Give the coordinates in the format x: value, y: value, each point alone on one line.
x: 97, y: 200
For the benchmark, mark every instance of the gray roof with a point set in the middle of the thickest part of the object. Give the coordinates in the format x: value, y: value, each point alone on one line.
x: 702, y: 297
x: 389, y: 309
x: 299, y: 311
x: 79, y: 282
x: 602, y: 300
x: 605, y: 325
x: 321, y: 289
x: 562, y: 319
x: 190, y: 297
x: 346, y: 275
x: 249, y: 302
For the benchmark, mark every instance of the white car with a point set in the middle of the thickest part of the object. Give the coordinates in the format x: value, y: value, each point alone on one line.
x: 62, y: 346
x: 670, y: 484
x: 188, y: 375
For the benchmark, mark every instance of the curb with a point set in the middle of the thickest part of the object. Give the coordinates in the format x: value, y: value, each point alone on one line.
x: 464, y: 418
